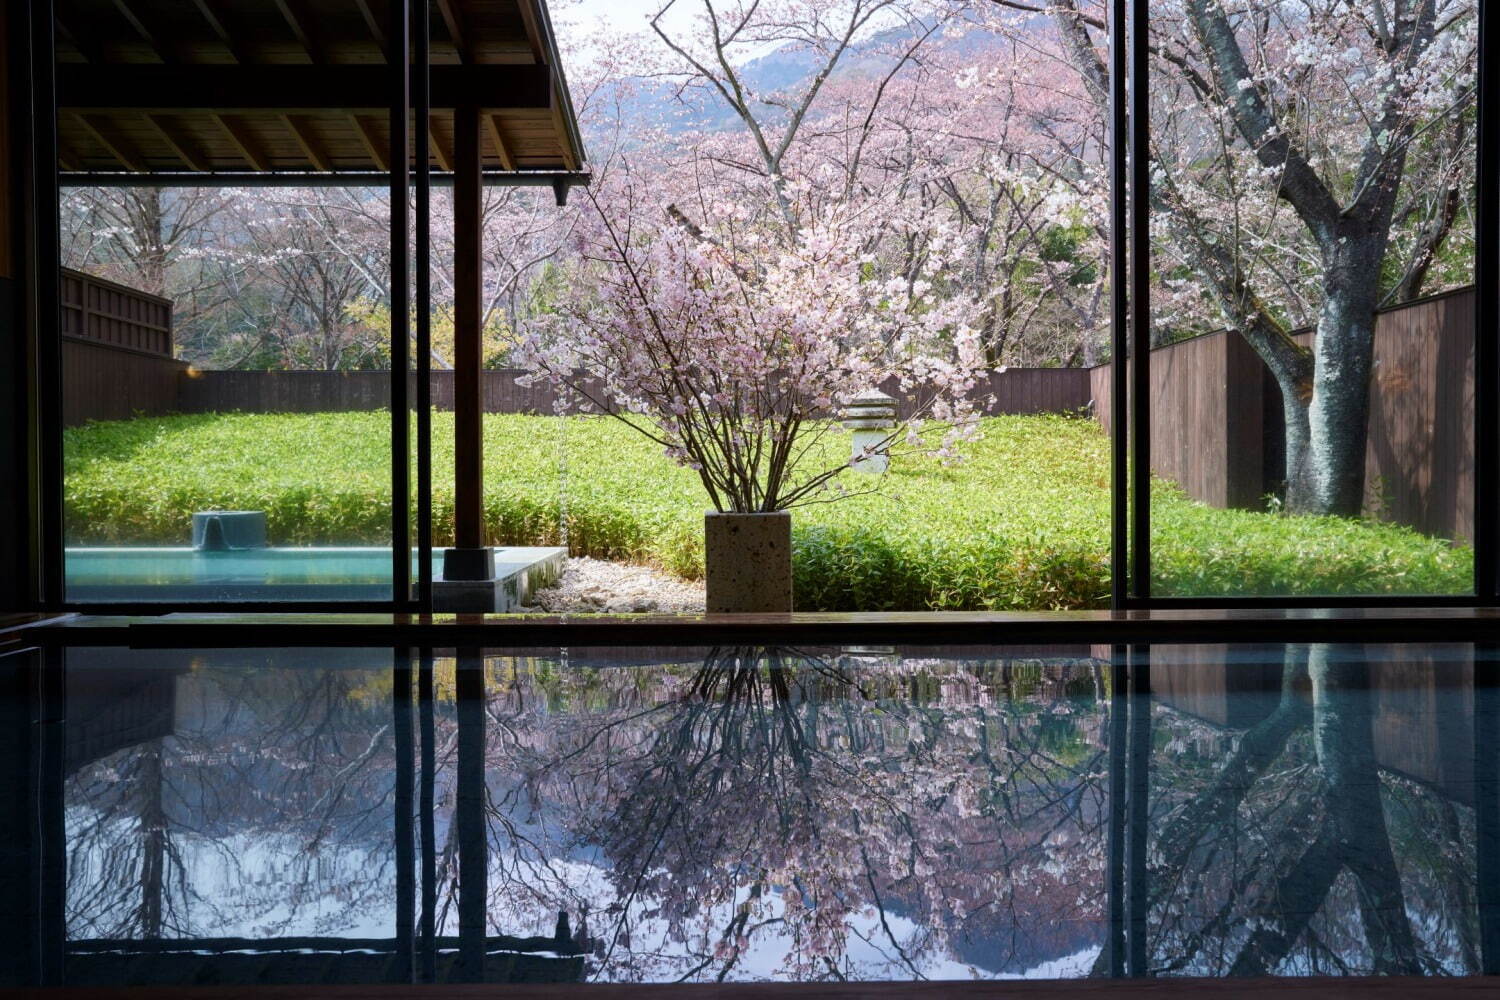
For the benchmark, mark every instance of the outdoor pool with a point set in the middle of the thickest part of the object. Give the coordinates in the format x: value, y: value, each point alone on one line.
x: 350, y: 573
x: 822, y: 813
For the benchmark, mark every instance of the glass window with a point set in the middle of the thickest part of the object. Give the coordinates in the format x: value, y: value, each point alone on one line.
x: 226, y: 391
x: 1312, y: 245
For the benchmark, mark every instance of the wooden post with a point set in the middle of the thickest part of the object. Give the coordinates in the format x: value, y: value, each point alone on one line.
x: 468, y: 312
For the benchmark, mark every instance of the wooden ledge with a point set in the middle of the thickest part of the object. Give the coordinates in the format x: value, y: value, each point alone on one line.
x: 1144, y: 989
x: 273, y: 630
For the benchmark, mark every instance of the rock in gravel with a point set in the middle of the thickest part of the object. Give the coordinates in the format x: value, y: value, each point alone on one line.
x: 594, y: 586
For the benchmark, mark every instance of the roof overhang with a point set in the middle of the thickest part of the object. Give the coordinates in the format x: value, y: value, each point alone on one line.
x: 256, y: 92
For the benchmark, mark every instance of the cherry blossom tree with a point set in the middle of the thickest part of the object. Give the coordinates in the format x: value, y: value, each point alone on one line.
x: 910, y: 104
x: 731, y: 346
x: 1311, y: 161
x: 147, y: 238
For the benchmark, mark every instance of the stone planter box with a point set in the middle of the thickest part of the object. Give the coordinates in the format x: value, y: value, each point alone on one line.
x: 748, y: 558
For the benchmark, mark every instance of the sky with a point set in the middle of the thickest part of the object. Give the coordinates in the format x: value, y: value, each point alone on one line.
x: 627, y: 15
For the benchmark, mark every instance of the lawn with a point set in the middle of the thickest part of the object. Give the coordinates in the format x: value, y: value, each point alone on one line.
x: 1023, y: 523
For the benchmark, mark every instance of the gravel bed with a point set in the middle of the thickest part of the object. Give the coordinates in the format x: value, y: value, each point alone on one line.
x: 597, y: 586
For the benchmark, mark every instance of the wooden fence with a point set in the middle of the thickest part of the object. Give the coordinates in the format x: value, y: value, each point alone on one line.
x: 1201, y: 393
x: 1217, y: 426
x: 102, y: 312
x: 106, y: 384
x: 1028, y: 390
x: 116, y: 351
x: 101, y: 382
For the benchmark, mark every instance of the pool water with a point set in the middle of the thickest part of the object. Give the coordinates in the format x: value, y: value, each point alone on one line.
x: 179, y: 573
x: 771, y: 814
x: 323, y: 573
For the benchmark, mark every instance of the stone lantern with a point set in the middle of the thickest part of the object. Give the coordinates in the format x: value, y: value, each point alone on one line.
x: 871, y: 415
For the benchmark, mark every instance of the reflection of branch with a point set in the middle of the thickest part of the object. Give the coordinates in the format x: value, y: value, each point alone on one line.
x: 885, y: 924
x: 1297, y: 865
x: 1289, y: 905
x: 1258, y: 749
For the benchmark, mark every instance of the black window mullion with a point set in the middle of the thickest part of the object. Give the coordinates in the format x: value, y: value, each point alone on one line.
x: 1140, y: 301
x: 422, y: 99
x: 399, y: 60
x: 1118, y: 318
x: 44, y: 311
x: 1486, y: 316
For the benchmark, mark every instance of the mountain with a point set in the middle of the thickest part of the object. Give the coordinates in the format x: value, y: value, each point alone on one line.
x: 787, y: 70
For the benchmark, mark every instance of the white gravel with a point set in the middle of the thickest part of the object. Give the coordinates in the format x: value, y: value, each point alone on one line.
x: 593, y: 585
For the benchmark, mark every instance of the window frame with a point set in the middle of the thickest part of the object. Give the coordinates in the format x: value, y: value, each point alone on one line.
x: 1130, y: 542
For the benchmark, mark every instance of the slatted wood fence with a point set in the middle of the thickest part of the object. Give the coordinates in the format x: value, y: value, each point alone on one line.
x: 103, y: 312
x: 1217, y: 427
x: 1030, y: 390
x: 116, y: 351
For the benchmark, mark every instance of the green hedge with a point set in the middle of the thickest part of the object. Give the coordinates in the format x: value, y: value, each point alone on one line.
x: 1023, y: 523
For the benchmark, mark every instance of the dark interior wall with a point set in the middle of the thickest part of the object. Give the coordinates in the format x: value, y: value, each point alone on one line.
x: 14, y: 552
x: 18, y: 887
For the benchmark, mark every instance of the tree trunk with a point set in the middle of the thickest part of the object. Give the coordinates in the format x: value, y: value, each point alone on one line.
x: 1294, y: 408
x: 153, y: 827
x: 1338, y: 413
x: 1342, y: 720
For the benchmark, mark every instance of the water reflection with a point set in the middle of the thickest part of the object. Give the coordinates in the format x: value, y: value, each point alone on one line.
x: 754, y: 813
x: 781, y: 813
x: 256, y: 803
x: 1278, y: 852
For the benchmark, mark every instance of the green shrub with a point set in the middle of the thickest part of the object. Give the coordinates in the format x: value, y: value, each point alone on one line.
x: 1023, y: 523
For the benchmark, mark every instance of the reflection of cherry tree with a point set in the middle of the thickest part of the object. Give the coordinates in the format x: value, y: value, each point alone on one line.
x: 791, y: 814
x: 266, y: 812
x: 1283, y: 859
x: 772, y: 812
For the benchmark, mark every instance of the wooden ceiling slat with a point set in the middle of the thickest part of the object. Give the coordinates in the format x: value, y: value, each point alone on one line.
x: 497, y: 140
x: 338, y: 89
x: 87, y: 49
x: 192, y: 159
x: 243, y: 142
x: 216, y: 21
x: 298, y: 20
x: 129, y: 14
x: 453, y: 20
x: 100, y: 131
x: 440, y: 150
x: 565, y: 147
x: 66, y: 158
x: 372, y: 143
x: 372, y: 21
x: 533, y: 30
x: 299, y: 82
x: 308, y: 142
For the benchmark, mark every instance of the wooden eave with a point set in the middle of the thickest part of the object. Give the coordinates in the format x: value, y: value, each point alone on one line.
x: 153, y: 89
